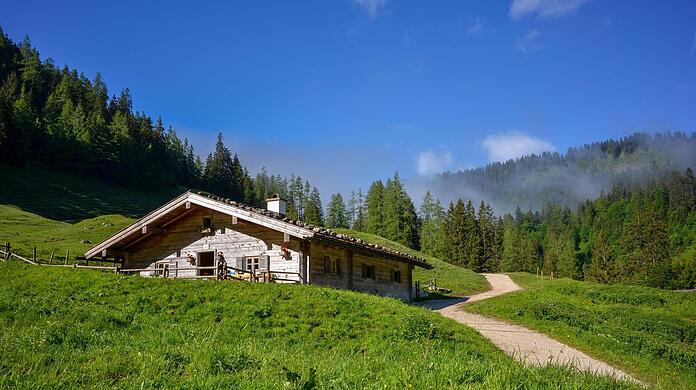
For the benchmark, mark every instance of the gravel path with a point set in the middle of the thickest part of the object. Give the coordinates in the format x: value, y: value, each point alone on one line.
x: 522, y: 344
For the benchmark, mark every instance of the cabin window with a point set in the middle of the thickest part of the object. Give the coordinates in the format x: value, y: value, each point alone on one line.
x: 332, y: 266
x: 162, y: 269
x: 207, y: 222
x: 396, y: 276
x: 251, y: 264
x: 368, y: 271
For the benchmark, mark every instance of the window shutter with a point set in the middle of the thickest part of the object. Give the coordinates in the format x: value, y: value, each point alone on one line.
x: 264, y: 261
x: 364, y: 271
x: 239, y: 263
x: 338, y: 266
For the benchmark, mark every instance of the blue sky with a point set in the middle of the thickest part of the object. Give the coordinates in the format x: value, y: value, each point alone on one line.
x: 346, y: 91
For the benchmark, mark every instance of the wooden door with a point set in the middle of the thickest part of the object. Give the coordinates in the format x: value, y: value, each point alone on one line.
x: 206, y: 259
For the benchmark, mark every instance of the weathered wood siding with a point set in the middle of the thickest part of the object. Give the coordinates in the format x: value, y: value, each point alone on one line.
x: 381, y: 285
x: 184, y: 237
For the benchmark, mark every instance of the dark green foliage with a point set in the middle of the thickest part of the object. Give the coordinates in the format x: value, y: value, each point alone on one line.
x: 336, y: 214
x: 375, y: 208
x: 643, y: 234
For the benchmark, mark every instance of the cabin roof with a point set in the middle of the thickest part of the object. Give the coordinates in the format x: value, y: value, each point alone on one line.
x: 260, y: 216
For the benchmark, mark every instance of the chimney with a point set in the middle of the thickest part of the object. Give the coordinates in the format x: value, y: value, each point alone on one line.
x: 277, y: 204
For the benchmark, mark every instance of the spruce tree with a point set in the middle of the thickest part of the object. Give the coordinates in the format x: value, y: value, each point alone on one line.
x: 314, y: 213
x: 374, y: 205
x: 336, y: 214
x: 432, y: 218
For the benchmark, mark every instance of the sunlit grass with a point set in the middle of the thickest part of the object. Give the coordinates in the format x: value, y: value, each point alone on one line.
x: 67, y: 328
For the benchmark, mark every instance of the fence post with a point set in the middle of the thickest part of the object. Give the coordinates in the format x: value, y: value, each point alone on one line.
x: 67, y: 254
x: 7, y: 251
x: 50, y: 261
x: 33, y: 255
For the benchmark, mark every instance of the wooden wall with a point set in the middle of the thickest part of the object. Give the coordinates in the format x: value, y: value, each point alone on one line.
x: 184, y: 237
x: 351, y: 278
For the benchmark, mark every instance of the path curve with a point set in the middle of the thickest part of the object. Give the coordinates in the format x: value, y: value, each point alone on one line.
x: 524, y: 345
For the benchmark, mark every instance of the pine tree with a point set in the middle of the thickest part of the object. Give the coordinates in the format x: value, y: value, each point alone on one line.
x: 374, y: 205
x: 360, y: 217
x: 314, y: 213
x: 472, y: 239
x: 219, y: 175
x: 401, y: 222
x: 336, y: 214
x: 432, y: 217
x: 455, y: 234
x: 604, y: 267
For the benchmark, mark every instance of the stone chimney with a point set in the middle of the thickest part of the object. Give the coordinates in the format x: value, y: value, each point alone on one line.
x: 277, y: 204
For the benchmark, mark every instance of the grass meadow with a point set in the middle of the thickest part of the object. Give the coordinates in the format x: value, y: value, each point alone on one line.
x: 82, y: 328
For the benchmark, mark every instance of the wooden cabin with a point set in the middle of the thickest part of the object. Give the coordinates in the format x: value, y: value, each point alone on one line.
x: 199, y: 235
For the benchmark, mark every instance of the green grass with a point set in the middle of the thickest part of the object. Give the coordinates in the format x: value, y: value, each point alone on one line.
x: 24, y: 230
x: 647, y: 332
x: 80, y: 328
x: 64, y: 196
x: 461, y: 281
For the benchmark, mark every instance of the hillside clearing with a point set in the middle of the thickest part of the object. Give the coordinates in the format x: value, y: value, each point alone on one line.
x: 64, y: 196
x: 65, y: 327
x: 647, y: 332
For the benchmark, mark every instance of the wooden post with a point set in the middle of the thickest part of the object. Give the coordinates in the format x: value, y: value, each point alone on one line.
x: 33, y: 255
x: 50, y: 260
x: 350, y: 269
x: 410, y: 282
x: 7, y: 251
x: 67, y: 255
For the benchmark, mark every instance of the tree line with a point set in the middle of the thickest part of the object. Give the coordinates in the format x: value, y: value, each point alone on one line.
x: 634, y: 234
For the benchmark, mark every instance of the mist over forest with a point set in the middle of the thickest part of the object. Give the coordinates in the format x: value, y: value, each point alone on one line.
x: 582, y: 173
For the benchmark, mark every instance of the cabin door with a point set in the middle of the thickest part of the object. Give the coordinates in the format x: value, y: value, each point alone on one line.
x: 206, y: 259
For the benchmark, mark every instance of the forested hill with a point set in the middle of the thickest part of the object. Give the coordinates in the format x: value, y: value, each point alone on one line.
x: 59, y: 118
x: 567, y: 179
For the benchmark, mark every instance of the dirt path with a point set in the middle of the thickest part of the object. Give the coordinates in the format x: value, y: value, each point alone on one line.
x: 522, y: 344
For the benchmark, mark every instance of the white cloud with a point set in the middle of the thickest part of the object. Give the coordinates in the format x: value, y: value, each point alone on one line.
x: 544, y: 8
x: 475, y: 26
x: 431, y: 162
x: 528, y: 42
x: 512, y: 144
x: 372, y: 7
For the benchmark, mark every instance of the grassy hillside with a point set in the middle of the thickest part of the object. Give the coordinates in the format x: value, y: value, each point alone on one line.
x: 83, y: 328
x: 25, y: 230
x: 63, y: 196
x: 648, y: 332
x: 461, y: 281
